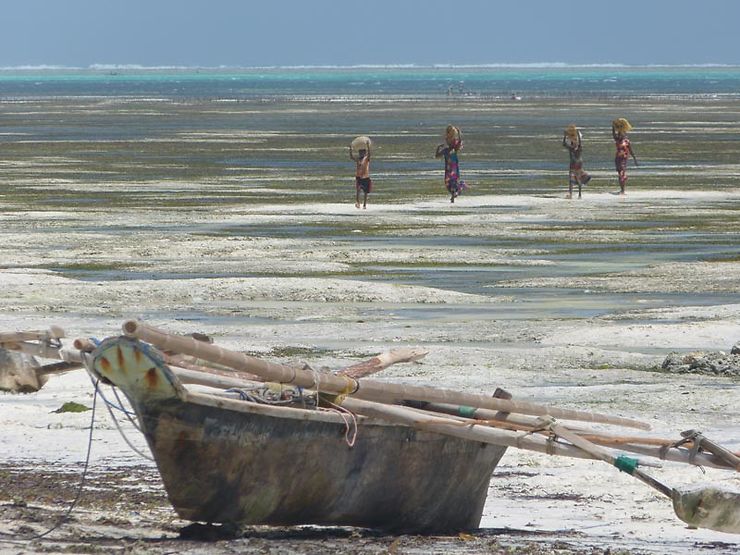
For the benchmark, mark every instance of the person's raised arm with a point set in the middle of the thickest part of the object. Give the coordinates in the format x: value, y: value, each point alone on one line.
x: 351, y: 155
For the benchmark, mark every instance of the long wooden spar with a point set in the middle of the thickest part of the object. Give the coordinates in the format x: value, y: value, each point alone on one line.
x: 371, y: 390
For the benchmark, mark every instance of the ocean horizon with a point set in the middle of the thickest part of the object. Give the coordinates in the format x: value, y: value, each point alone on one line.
x: 398, y: 80
x: 493, y: 65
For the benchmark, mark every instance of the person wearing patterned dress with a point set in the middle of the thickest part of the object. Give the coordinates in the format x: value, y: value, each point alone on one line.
x: 573, y: 141
x: 449, y: 150
x: 620, y: 128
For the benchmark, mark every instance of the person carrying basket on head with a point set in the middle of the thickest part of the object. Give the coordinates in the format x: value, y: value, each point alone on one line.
x: 363, y: 183
x: 450, y: 150
x: 573, y: 141
x: 620, y: 128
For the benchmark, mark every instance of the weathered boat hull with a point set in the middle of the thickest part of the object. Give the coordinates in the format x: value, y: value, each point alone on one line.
x: 281, y: 466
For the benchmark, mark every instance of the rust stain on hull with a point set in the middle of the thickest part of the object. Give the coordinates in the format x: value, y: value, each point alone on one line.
x: 151, y: 377
x: 121, y: 359
x: 105, y: 365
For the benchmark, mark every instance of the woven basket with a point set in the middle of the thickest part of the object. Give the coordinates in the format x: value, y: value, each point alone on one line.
x: 621, y: 125
x: 360, y: 143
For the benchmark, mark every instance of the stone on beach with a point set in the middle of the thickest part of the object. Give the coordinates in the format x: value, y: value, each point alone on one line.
x: 716, y: 363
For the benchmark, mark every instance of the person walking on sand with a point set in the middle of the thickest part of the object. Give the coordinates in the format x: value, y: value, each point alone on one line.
x: 362, y: 173
x: 573, y: 141
x: 620, y: 128
x: 450, y: 150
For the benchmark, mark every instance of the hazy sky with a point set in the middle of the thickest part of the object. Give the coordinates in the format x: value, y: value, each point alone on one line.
x: 326, y: 32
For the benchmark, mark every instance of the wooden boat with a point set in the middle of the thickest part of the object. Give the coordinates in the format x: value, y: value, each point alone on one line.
x: 226, y: 460
x: 418, y: 459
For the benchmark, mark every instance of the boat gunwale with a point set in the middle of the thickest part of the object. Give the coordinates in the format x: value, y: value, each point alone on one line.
x: 245, y: 406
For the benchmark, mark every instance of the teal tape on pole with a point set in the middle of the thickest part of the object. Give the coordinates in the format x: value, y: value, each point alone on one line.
x: 625, y: 464
x: 467, y: 412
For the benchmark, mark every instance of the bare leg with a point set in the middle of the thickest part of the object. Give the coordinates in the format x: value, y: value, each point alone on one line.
x: 364, y: 201
x: 357, y: 198
x: 622, y: 175
x: 570, y: 186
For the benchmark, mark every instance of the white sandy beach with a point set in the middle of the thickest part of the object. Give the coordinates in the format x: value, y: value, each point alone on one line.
x: 301, y: 292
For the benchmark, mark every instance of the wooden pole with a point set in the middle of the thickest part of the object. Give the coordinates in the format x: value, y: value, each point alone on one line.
x: 207, y: 376
x: 43, y: 350
x: 522, y: 422
x: 54, y: 332
x: 703, y: 507
x: 606, y: 456
x: 361, y: 389
x: 189, y: 377
x: 446, y: 426
x: 382, y: 361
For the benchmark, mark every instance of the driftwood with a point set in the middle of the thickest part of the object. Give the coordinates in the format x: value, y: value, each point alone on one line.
x: 343, y: 385
x: 382, y: 361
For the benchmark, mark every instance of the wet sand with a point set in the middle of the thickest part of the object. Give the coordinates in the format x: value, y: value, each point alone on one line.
x: 237, y: 220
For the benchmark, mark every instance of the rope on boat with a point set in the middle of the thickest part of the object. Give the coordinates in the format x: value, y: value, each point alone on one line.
x: 347, y: 416
x: 125, y: 437
x: 693, y: 451
x: 545, y: 426
x: 108, y: 405
x: 266, y: 396
x: 65, y: 516
x: 624, y: 463
x: 129, y: 414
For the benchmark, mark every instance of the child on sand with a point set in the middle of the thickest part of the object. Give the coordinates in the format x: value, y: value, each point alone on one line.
x: 573, y: 141
x: 362, y: 173
x: 450, y: 150
x: 620, y: 128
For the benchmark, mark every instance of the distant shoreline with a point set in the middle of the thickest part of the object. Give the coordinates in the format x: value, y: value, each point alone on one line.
x: 502, y: 65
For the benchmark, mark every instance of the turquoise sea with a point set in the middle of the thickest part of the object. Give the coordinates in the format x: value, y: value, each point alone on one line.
x: 547, y: 81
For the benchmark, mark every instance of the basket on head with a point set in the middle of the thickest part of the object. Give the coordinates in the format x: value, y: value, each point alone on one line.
x: 572, y: 134
x: 452, y: 135
x: 621, y: 125
x: 360, y: 143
